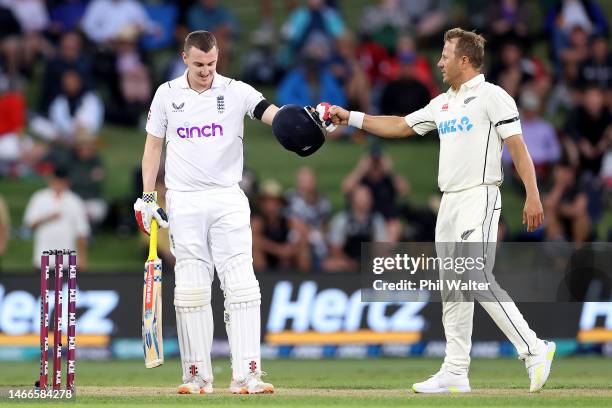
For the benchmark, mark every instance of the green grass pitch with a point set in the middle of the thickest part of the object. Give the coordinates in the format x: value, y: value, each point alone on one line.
x: 578, y: 382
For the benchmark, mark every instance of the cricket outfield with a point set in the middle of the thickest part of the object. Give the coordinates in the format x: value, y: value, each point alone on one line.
x: 574, y: 381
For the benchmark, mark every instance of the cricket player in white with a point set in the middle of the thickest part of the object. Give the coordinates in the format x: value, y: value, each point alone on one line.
x: 200, y: 118
x: 474, y: 119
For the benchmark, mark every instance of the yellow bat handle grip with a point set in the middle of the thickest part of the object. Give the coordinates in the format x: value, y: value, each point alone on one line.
x: 153, y: 240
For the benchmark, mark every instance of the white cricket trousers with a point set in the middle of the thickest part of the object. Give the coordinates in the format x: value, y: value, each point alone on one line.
x: 472, y: 216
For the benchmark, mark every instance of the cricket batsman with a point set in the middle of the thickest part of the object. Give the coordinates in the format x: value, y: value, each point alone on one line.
x: 474, y: 119
x: 200, y: 119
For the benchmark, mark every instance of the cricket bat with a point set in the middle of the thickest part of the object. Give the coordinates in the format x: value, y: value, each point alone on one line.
x: 152, y: 341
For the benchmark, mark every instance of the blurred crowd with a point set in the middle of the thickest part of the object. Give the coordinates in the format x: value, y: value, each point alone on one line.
x: 94, y: 62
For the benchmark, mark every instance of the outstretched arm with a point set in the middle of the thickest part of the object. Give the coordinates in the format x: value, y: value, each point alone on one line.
x: 533, y: 214
x: 383, y: 126
x: 269, y: 114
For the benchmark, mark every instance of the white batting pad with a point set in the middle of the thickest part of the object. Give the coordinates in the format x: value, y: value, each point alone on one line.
x: 194, y: 318
x: 242, y: 316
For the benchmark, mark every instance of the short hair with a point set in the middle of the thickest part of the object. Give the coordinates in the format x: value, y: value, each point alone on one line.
x: 469, y: 44
x: 202, y: 40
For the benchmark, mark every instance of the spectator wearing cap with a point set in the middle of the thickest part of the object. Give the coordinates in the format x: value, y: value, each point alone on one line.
x: 375, y: 172
x: 308, y: 205
x: 279, y: 240
x: 350, y: 228
x: 539, y: 135
x: 58, y: 218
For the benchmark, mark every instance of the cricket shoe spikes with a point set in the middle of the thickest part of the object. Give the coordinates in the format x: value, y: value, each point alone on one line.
x: 196, y: 385
x: 443, y: 382
x: 538, y: 366
x: 252, y: 384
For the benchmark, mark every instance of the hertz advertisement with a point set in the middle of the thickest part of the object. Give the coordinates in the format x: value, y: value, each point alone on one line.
x: 308, y: 317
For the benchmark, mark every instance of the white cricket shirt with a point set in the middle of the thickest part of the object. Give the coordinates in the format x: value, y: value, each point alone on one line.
x: 203, y: 131
x: 62, y: 232
x: 472, y: 124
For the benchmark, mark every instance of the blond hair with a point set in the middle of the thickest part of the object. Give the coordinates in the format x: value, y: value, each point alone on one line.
x: 469, y: 44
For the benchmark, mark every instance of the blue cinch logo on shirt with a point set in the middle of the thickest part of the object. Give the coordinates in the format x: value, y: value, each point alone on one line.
x: 200, y: 131
x: 455, y: 125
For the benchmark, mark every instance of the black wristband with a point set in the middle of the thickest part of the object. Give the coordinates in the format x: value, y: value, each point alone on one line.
x: 260, y: 109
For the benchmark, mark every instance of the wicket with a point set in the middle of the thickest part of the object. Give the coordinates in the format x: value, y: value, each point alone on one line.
x: 57, y: 319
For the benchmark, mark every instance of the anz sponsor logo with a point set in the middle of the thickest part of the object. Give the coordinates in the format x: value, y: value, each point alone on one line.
x: 455, y: 125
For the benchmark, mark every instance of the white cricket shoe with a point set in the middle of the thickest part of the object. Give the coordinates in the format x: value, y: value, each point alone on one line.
x: 196, y: 385
x: 538, y: 366
x: 443, y: 382
x: 252, y: 384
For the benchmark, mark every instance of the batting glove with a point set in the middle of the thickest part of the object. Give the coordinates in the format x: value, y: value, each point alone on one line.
x: 321, y: 115
x: 146, y: 208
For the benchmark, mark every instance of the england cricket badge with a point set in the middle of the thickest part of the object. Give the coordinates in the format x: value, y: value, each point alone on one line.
x: 220, y: 104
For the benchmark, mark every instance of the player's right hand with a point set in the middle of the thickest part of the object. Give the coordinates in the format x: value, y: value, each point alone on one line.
x: 145, y: 209
x: 338, y: 115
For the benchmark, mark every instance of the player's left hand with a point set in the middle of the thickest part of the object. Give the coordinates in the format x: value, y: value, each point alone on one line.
x: 533, y: 213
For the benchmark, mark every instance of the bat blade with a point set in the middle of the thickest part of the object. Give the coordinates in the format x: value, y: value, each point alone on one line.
x: 152, y: 340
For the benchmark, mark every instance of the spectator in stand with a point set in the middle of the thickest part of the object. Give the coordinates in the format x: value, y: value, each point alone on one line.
x: 58, y: 218
x: 66, y: 16
x: 576, y: 51
x: 18, y: 152
x: 5, y: 228
x: 566, y: 205
x: 597, y: 69
x: 34, y: 21
x: 311, y: 81
x: 70, y: 56
x: 349, y: 73
x: 393, y: 100
x: 210, y: 16
x: 589, y: 126
x: 105, y: 20
x: 539, y: 136
x: 116, y: 27
x: 10, y: 37
x: 375, y: 172
x: 75, y: 111
x: 315, y: 21
x: 515, y: 70
x: 383, y: 23
x: 565, y: 15
x: 307, y: 205
x: 510, y: 18
x: 279, y: 241
x: 428, y: 17
x: 86, y: 171
x: 349, y: 228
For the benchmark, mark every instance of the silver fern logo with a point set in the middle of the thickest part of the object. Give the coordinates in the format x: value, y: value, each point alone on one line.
x: 178, y: 108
